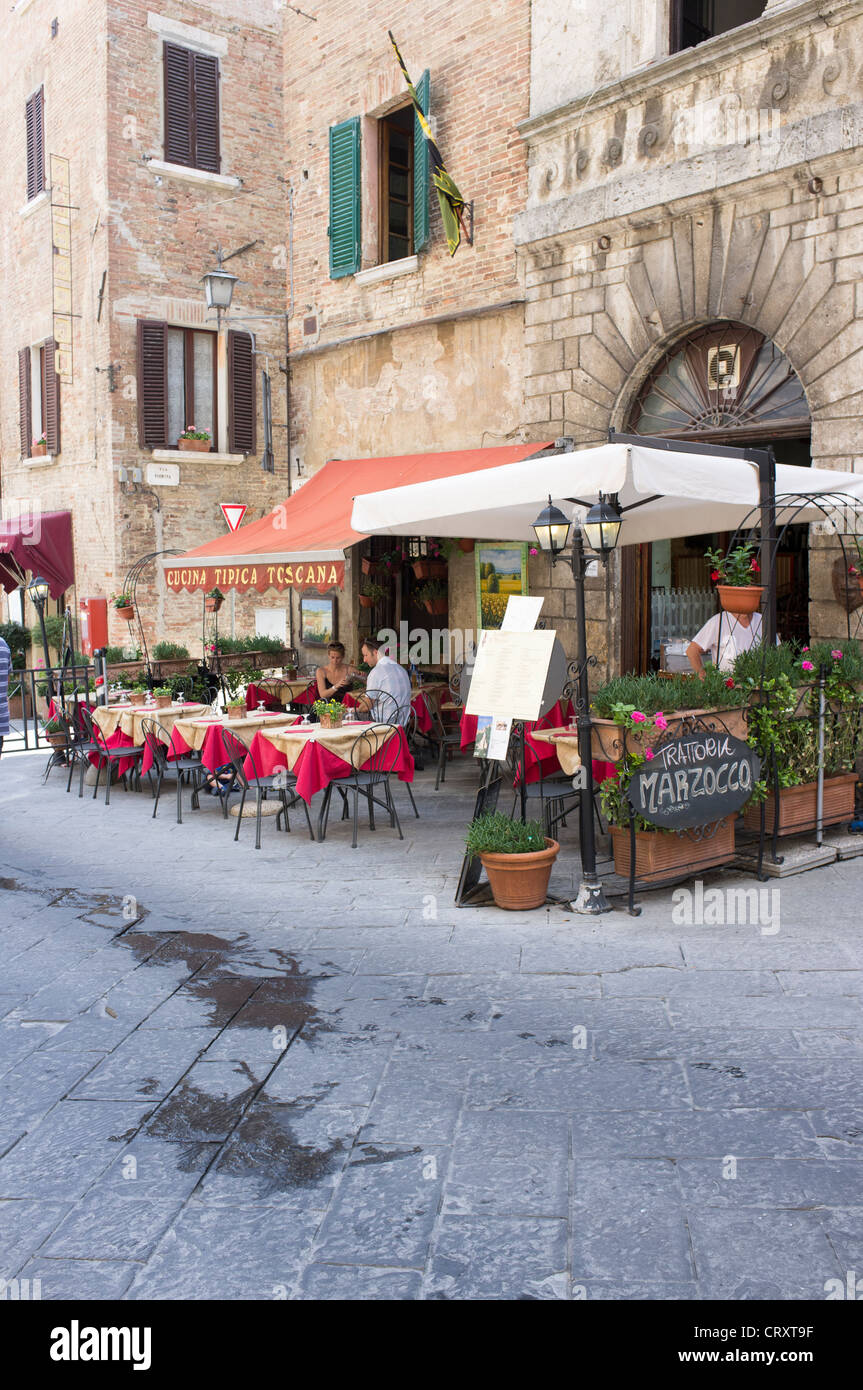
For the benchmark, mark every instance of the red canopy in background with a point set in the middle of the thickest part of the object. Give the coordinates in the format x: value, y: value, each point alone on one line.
x: 42, y: 543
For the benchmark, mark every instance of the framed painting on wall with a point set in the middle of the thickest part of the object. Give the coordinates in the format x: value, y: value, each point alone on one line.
x: 317, y: 620
x: 501, y: 570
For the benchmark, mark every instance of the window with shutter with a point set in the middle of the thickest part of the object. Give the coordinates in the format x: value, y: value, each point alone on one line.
x: 35, y: 123
x: 344, y: 228
x: 421, y: 228
x: 241, y: 393
x: 51, y: 398
x: 191, y: 108
x: 25, y: 423
x: 152, y: 384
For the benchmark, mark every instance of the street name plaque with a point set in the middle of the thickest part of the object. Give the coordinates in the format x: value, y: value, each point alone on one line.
x: 695, y: 779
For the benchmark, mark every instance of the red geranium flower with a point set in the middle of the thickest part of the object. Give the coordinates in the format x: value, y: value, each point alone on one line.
x: 730, y: 683
x: 714, y: 575
x: 755, y: 567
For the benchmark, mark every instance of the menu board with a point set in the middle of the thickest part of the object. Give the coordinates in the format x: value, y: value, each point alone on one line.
x: 510, y: 672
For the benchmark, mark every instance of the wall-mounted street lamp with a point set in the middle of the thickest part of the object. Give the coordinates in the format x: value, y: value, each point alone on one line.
x: 601, y: 527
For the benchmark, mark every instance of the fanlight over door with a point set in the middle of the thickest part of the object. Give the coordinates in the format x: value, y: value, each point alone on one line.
x: 723, y: 380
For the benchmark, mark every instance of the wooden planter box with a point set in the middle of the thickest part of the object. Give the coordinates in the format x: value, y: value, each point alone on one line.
x: 661, y: 854
x: 194, y: 446
x: 797, y: 806
x: 607, y: 737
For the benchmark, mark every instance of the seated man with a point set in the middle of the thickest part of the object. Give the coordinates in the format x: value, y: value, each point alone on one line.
x: 724, y: 636
x: 387, y: 677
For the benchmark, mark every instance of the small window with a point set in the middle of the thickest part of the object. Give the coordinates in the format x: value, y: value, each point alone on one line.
x: 39, y: 397
x: 35, y: 125
x: 191, y: 382
x: 191, y: 108
x: 694, y: 21
x: 397, y: 184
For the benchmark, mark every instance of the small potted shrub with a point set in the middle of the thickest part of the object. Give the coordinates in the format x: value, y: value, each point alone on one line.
x: 736, y: 576
x: 194, y: 441
x: 39, y: 447
x: 124, y: 606
x: 433, y: 596
x: 371, y: 593
x: 55, y: 733
x: 331, y: 713
x: 213, y: 600
x: 169, y: 651
x: 517, y: 857
x: 162, y: 696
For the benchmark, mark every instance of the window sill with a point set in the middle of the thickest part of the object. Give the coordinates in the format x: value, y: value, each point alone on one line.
x: 192, y: 456
x: 390, y: 270
x: 42, y: 200
x: 184, y: 171
x: 39, y: 461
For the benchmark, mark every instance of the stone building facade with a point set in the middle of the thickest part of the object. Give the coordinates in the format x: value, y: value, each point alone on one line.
x: 147, y: 210
x: 715, y: 190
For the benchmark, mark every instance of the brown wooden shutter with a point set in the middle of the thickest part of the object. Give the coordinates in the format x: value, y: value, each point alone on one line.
x: 206, y: 112
x: 35, y: 121
x: 152, y: 384
x: 178, y: 104
x: 241, y: 393
x: 51, y: 423
x: 25, y: 414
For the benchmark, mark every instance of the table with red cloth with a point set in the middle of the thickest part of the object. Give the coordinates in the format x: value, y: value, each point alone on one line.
x: 419, y: 704
x: 315, y: 764
x: 205, y: 735
x: 278, y: 691
x: 120, y: 726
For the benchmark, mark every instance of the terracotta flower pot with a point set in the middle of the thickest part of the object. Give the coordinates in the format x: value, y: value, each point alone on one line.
x: 797, y: 806
x: 39, y: 451
x: 328, y: 722
x: 56, y: 740
x: 127, y: 613
x: 663, y: 854
x: 236, y: 711
x: 736, y: 598
x: 163, y: 701
x: 366, y: 601
x: 368, y: 565
x: 520, y: 881
x: 466, y: 545
x: 437, y: 606
x: 429, y: 569
x: 194, y: 446
x: 212, y: 605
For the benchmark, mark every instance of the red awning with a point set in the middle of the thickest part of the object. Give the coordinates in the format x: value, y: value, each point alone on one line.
x: 40, y: 542
x: 302, y: 542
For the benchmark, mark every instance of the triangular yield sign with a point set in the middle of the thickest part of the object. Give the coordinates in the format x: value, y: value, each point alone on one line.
x: 233, y: 512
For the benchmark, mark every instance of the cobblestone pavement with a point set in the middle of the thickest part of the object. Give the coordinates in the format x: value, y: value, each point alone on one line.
x: 302, y: 1072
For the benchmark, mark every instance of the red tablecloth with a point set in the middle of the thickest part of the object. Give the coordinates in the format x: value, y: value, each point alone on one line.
x: 259, y: 694
x: 316, y: 766
x: 555, y: 719
x: 420, y: 708
x: 117, y: 740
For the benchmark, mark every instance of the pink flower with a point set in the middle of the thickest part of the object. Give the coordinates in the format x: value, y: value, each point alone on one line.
x: 805, y: 649
x: 638, y: 717
x: 648, y: 753
x: 808, y: 665
x: 660, y: 720
x: 837, y: 656
x: 533, y: 550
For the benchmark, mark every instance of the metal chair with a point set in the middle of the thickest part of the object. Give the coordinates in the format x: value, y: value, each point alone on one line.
x: 158, y: 740
x: 387, y: 710
x: 441, y: 737
x: 110, y: 756
x: 236, y: 753
x: 363, y: 779
x: 554, y: 791
x: 75, y: 749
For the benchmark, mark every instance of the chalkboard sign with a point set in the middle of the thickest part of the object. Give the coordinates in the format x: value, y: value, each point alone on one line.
x: 694, y: 780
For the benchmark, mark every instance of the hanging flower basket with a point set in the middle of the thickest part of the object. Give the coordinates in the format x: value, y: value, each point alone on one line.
x: 735, y: 598
x: 212, y: 605
x: 368, y: 565
x: 429, y: 569
x: 437, y: 606
x: 127, y: 613
x: 366, y: 601
x: 466, y: 545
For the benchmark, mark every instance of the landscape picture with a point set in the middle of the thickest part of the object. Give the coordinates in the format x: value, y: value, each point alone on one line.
x: 501, y: 570
x: 317, y: 620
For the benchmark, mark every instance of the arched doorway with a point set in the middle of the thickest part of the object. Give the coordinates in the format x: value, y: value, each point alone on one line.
x: 725, y: 384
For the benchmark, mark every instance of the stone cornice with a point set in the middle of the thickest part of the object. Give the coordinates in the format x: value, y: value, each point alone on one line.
x: 655, y: 78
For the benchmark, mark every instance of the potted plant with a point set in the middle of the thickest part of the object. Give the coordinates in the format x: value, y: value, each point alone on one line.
x: 234, y: 680
x: 39, y: 447
x: 55, y: 733
x: 124, y: 606
x: 194, y: 441
x: 736, y: 577
x: 162, y: 696
x: 517, y: 857
x: 371, y: 593
x: 433, y: 596
x: 659, y: 854
x: 368, y: 565
x: 432, y: 565
x: 466, y: 544
x: 630, y: 713
x: 213, y: 600
x: 391, y: 560
x: 331, y: 713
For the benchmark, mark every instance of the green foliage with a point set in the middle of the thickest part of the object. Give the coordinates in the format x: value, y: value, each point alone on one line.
x: 764, y: 662
x: 170, y: 651
x: 214, y: 593
x: 18, y: 639
x: 162, y: 690
x: 232, y: 646
x: 613, y: 798
x: 785, y: 732
x: 738, y: 567
x: 495, y: 833
x: 651, y: 693
x: 53, y: 631
x: 53, y: 726
x: 434, y: 589
x: 334, y: 709
x: 371, y: 589
x: 115, y: 655
x: 122, y: 600
x: 191, y: 433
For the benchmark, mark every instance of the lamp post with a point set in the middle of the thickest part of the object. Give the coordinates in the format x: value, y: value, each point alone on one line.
x: 38, y: 591
x: 601, y: 526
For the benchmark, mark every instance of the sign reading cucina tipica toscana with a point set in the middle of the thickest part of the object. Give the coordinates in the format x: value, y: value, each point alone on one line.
x: 694, y: 780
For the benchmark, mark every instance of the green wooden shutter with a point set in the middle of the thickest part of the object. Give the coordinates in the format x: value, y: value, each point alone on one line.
x: 344, y: 228
x: 421, y: 169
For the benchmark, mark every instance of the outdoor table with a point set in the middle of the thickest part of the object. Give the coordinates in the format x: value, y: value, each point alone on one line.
x: 275, y: 692
x: 318, y: 756
x: 564, y: 741
x: 554, y: 719
x: 121, y: 727
x: 205, y: 735
x: 419, y: 705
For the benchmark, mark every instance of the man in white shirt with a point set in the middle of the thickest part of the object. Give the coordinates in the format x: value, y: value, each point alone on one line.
x: 724, y: 636
x: 387, y: 677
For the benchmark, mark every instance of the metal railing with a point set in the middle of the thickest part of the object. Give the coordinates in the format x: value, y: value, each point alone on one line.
x: 28, y: 702
x: 677, y: 614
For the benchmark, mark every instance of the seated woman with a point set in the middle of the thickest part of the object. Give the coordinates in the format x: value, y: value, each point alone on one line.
x: 336, y: 678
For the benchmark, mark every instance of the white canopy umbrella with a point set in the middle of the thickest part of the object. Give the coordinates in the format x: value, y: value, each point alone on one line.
x: 662, y: 492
